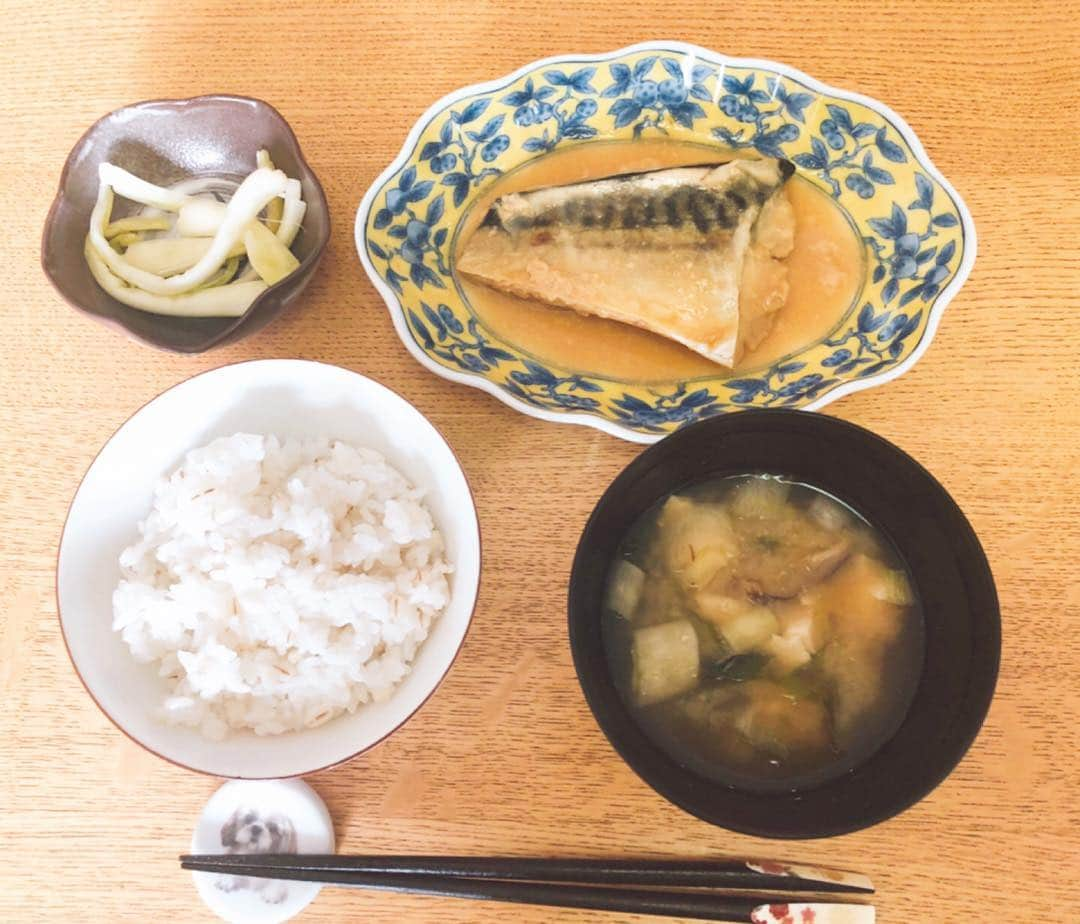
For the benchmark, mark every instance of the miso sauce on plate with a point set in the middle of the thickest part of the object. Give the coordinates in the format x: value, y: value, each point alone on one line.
x: 762, y: 633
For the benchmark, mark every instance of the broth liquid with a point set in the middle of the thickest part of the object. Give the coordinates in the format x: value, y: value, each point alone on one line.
x: 685, y: 740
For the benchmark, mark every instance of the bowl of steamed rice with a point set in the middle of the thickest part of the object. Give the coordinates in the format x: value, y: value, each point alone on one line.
x: 268, y: 569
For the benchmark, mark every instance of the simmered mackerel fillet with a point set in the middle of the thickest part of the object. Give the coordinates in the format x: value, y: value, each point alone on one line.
x: 663, y: 250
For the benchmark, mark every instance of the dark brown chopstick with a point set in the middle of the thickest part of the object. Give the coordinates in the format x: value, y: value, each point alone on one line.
x: 721, y: 873
x: 697, y: 905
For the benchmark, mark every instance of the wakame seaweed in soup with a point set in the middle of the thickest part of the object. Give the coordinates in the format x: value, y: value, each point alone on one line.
x: 761, y: 632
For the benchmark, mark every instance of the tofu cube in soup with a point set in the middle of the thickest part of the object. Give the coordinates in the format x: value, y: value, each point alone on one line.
x: 787, y: 653
x: 800, y: 635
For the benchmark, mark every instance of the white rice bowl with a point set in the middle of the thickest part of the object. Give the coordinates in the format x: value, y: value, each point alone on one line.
x: 277, y: 584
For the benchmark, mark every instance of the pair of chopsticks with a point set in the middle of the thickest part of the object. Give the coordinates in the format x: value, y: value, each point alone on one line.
x: 725, y: 888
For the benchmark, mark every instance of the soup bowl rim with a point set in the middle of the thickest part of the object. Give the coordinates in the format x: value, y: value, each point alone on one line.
x: 846, y: 802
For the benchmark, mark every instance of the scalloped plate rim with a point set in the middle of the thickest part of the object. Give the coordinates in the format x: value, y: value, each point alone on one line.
x: 397, y: 312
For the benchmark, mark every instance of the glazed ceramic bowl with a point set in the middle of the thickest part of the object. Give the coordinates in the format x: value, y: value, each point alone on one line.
x: 166, y: 141
x: 949, y: 570
x: 289, y: 398
x: 918, y: 237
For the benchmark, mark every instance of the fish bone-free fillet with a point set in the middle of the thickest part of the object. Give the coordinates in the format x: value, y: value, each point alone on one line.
x: 663, y: 250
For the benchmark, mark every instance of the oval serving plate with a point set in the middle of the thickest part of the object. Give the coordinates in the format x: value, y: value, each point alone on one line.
x: 918, y: 236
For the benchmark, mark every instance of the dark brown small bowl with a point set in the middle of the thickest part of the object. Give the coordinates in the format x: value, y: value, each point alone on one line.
x: 165, y: 141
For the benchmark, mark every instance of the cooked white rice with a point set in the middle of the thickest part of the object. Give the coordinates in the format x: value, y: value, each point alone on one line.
x: 278, y: 584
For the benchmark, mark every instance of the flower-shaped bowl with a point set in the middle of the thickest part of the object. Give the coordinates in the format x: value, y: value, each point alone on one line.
x: 917, y: 236
x: 166, y: 141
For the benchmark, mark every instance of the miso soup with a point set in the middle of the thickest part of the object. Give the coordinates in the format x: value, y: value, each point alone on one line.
x: 762, y: 633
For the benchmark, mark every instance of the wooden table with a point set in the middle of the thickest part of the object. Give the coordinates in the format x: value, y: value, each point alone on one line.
x: 506, y: 757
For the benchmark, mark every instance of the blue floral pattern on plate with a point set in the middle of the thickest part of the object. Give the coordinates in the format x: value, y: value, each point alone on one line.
x: 918, y: 235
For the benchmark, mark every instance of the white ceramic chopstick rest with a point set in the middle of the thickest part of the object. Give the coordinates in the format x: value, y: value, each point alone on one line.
x: 271, y: 816
x: 813, y: 913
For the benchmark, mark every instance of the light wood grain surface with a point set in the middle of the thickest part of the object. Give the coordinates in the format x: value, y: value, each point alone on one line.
x: 506, y: 757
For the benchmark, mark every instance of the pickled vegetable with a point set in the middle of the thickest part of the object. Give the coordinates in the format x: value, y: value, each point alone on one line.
x: 190, y: 244
x: 227, y: 301
x: 250, y: 199
x: 292, y: 213
x: 223, y: 275
x: 167, y: 256
x: 137, y: 224
x: 200, y: 217
x: 138, y: 190
x: 270, y: 258
x: 276, y: 207
x: 123, y: 241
